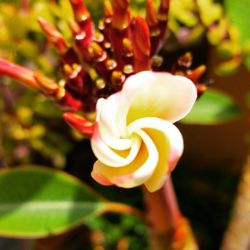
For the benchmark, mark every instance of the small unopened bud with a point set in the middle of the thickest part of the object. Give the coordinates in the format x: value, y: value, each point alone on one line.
x: 83, y: 19
x: 196, y: 74
x: 151, y: 14
x: 80, y: 123
x: 100, y: 83
x: 48, y: 86
x: 128, y: 69
x: 141, y: 44
x: 111, y: 64
x: 72, y: 71
x: 127, y: 47
x: 101, y: 25
x: 121, y: 18
x: 68, y: 101
x: 117, y: 78
x: 75, y: 28
x: 163, y: 9
x: 82, y: 39
x: 67, y: 70
x: 80, y: 10
x: 108, y: 10
x: 185, y: 60
x: 156, y: 61
x: 96, y: 52
x: 24, y: 75
x: 107, y: 45
x: 53, y: 35
x: 99, y: 37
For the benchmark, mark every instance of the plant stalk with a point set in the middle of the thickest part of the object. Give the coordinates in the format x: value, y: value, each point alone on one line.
x: 168, y: 229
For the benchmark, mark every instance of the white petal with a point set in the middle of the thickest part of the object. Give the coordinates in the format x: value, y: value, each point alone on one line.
x: 169, y: 143
x: 154, y: 94
x: 107, y: 125
x: 137, y: 172
x: 111, y: 157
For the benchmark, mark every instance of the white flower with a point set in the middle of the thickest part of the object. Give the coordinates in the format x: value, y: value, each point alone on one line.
x: 135, y: 140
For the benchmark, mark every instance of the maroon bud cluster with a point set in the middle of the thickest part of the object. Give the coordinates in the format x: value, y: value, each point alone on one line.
x: 101, y: 58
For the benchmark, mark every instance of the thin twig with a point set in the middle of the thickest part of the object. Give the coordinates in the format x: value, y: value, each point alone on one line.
x: 122, y: 208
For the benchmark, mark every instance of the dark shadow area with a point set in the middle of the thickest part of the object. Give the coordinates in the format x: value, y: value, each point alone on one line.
x: 206, y: 197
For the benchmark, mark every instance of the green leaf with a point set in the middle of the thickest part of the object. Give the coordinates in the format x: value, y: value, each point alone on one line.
x: 212, y: 108
x: 37, y: 202
x: 238, y: 14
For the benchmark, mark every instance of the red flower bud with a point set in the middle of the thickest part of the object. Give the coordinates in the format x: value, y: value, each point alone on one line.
x: 53, y: 35
x: 82, y: 17
x: 24, y: 75
x: 141, y: 44
x: 121, y: 18
x: 80, y: 123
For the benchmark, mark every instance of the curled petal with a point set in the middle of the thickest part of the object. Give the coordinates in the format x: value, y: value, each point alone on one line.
x: 169, y: 143
x: 161, y: 95
x: 114, y: 157
x: 150, y: 94
x: 137, y: 172
x: 107, y: 128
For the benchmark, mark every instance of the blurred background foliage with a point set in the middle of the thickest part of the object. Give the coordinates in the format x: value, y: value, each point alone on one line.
x: 31, y: 127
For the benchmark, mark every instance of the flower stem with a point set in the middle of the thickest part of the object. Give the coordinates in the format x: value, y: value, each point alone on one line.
x: 168, y: 229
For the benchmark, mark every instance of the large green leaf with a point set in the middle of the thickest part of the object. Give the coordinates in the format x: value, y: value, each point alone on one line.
x: 212, y: 108
x: 37, y: 202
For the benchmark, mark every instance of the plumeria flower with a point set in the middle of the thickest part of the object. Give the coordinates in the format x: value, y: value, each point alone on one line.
x: 134, y: 139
